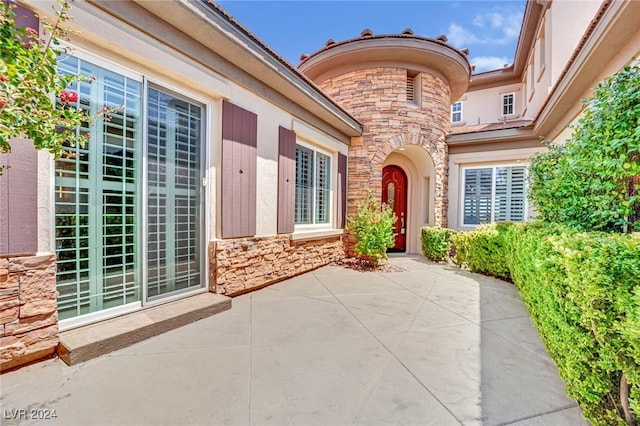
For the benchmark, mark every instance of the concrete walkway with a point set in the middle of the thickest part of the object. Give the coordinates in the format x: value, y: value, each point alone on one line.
x: 432, y: 345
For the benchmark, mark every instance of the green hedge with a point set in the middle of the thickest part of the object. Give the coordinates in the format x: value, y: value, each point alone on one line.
x: 436, y: 242
x: 583, y: 293
x: 485, y: 250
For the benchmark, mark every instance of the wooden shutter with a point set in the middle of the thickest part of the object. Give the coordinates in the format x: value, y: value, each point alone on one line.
x: 239, y: 153
x: 19, y: 199
x: 286, y: 180
x: 342, y: 187
x: 26, y: 18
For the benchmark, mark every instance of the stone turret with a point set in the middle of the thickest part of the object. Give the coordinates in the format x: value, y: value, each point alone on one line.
x: 400, y: 87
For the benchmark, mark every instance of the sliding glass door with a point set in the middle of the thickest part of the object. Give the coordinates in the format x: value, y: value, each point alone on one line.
x: 121, y: 233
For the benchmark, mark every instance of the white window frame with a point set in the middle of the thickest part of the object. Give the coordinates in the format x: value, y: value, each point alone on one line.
x: 456, y: 112
x: 145, y: 79
x: 332, y: 190
x: 493, y: 168
x: 513, y: 104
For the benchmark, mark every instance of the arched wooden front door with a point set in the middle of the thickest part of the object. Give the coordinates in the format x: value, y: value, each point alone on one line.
x: 394, y: 193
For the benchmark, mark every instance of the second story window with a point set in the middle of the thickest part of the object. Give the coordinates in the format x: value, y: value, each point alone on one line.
x: 456, y: 112
x: 508, y: 102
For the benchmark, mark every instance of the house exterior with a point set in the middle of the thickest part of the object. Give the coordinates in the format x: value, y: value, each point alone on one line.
x: 229, y: 169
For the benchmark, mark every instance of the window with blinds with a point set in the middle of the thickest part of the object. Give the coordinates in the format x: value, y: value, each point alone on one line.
x: 97, y: 197
x: 313, y: 187
x: 494, y: 194
x: 477, y: 196
x: 509, y: 194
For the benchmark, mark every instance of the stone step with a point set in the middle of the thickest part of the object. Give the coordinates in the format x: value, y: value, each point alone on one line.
x: 93, y: 340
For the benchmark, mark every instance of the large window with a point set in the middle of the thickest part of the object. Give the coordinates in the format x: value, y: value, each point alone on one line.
x: 313, y: 187
x: 456, y: 112
x: 494, y: 194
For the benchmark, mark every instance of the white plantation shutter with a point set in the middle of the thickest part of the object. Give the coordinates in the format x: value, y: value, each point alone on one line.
x: 304, y: 185
x: 323, y: 189
x: 313, y: 187
x: 477, y: 196
x: 510, y: 192
x: 494, y: 194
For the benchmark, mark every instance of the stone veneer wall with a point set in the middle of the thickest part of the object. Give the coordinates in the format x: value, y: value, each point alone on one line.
x: 377, y: 98
x: 239, y: 265
x: 28, y: 308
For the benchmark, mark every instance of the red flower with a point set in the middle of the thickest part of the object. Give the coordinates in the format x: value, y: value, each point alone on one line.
x: 68, y: 96
x: 32, y: 31
x: 1, y: 103
x: 3, y: 78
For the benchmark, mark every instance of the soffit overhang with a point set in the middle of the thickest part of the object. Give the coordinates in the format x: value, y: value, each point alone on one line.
x: 481, y: 137
x: 396, y: 50
x: 531, y: 21
x: 207, y: 24
x: 615, y: 26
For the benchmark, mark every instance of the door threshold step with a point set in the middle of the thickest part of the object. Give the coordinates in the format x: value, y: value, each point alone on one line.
x: 93, y: 340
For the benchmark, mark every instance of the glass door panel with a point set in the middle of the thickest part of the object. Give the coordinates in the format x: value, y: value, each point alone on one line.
x: 174, y: 212
x: 96, y: 196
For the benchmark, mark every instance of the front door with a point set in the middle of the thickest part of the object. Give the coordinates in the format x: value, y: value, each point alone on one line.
x: 394, y: 194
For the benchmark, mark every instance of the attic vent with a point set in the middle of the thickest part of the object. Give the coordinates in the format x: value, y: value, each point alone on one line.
x: 413, y: 88
x: 410, y: 88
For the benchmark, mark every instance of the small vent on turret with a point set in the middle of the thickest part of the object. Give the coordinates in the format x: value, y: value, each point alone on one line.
x: 413, y: 88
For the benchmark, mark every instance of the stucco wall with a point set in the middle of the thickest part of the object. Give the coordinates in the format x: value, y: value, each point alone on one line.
x: 141, y: 45
x: 485, y: 106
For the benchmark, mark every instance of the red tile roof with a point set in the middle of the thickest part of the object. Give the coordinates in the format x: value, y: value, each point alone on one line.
x: 485, y: 127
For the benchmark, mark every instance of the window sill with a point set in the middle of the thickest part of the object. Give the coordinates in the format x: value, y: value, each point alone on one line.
x: 458, y: 123
x: 509, y: 117
x: 315, y: 234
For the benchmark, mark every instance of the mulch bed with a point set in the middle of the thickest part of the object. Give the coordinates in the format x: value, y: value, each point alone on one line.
x: 364, y: 266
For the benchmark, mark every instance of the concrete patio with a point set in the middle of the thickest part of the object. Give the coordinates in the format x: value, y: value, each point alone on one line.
x: 433, y: 345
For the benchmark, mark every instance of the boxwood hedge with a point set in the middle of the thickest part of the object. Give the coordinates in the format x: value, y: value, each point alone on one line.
x: 583, y: 293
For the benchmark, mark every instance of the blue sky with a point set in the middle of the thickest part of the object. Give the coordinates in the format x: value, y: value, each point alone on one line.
x: 489, y: 29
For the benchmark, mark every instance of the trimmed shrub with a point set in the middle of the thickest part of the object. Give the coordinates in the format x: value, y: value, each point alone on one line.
x: 583, y: 293
x: 372, y: 225
x: 436, y: 242
x: 591, y: 181
x: 486, y: 250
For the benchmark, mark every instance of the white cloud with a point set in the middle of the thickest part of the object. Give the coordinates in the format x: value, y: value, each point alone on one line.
x: 500, y: 26
x: 488, y: 63
x: 460, y: 37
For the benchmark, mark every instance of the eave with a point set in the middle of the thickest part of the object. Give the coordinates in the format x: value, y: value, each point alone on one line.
x: 208, y: 25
